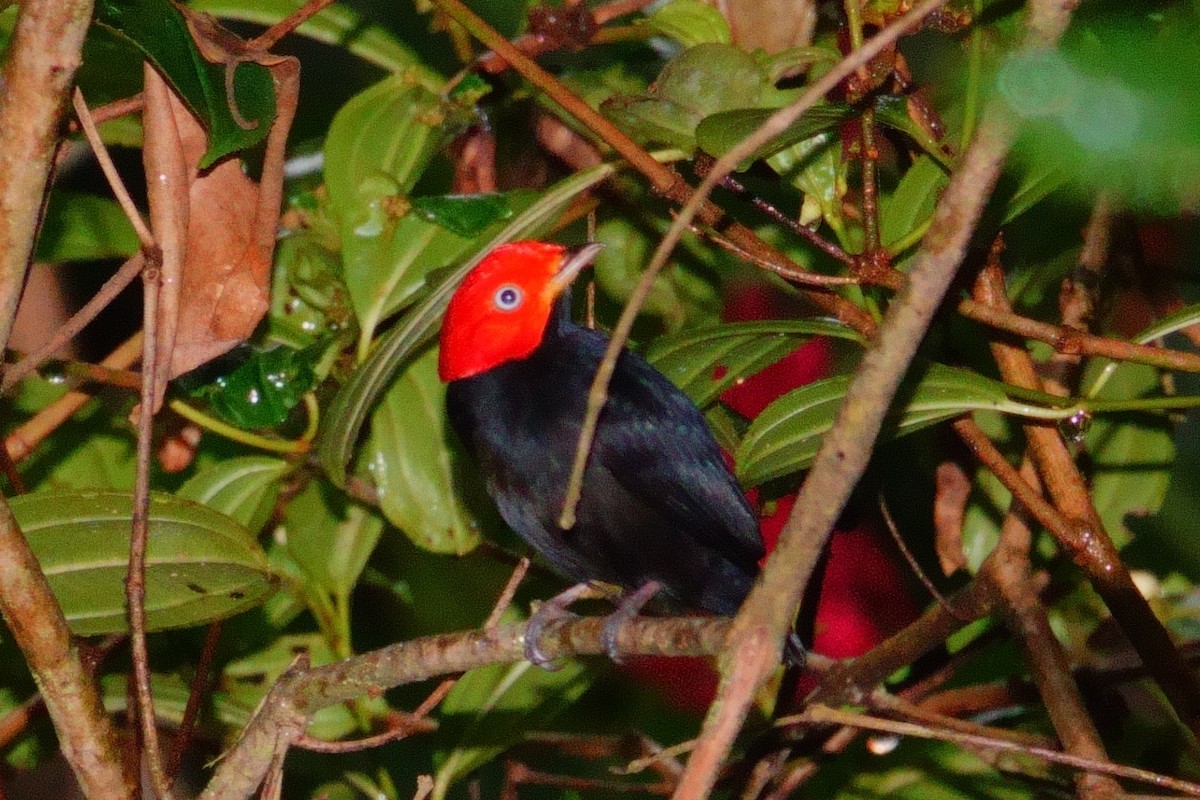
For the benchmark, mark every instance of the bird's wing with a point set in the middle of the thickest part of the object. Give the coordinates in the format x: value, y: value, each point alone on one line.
x: 661, y: 450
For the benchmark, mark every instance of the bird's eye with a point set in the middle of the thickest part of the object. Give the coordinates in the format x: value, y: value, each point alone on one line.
x: 508, y: 297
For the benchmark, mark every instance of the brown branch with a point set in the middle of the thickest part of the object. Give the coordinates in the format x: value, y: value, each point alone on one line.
x: 1008, y: 568
x: 825, y: 715
x: 300, y: 692
x: 78, y: 321
x: 197, y: 692
x: 25, y: 439
x: 1085, y: 540
x: 43, y: 56
x: 135, y: 576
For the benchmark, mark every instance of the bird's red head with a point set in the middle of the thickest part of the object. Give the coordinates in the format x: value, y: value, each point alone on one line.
x: 499, y: 312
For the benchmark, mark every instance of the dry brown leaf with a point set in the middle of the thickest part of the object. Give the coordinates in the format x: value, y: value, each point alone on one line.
x: 216, y: 289
x: 949, y: 511
x: 773, y: 25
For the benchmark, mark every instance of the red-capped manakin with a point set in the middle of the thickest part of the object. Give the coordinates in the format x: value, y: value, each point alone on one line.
x: 658, y: 506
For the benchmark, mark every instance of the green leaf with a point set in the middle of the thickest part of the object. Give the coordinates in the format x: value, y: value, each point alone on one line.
x: 330, y: 538
x: 913, y: 200
x: 785, y: 437
x: 158, y: 29
x: 244, y: 488
x: 348, y: 411
x: 80, y: 227
x: 410, y: 462
x: 699, y: 82
x: 201, y: 565
x: 336, y: 25
x: 1036, y: 184
x: 261, y: 391
x: 378, y: 146
x: 500, y: 704
x: 704, y: 362
x: 690, y: 22
x: 718, y: 133
x: 680, y: 294
x: 892, y: 110
x: 815, y: 166
x: 385, y: 272
x: 464, y: 214
x: 1132, y: 455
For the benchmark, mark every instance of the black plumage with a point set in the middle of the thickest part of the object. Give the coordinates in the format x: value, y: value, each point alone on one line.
x: 658, y: 502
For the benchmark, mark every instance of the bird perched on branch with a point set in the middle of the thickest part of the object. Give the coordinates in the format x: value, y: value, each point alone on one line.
x: 659, y: 508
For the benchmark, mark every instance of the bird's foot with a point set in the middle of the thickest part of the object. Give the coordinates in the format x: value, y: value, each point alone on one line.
x: 547, y: 613
x: 627, y: 609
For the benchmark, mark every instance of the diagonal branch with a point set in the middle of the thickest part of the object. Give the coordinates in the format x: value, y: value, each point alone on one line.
x: 42, y: 58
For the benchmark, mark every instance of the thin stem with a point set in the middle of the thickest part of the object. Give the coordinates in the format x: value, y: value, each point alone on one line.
x: 72, y: 327
x: 25, y: 439
x: 250, y: 438
x: 135, y: 577
x: 823, y: 715
x: 110, y: 171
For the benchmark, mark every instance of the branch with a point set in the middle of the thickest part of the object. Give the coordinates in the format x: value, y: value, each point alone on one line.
x: 43, y: 56
x: 1085, y: 540
x: 300, y: 692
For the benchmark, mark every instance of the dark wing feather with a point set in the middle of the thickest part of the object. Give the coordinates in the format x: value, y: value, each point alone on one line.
x: 656, y: 443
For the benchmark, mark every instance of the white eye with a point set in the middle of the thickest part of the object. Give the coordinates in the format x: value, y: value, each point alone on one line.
x: 508, y: 297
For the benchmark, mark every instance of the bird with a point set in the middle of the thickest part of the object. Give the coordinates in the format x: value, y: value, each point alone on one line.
x: 659, y: 510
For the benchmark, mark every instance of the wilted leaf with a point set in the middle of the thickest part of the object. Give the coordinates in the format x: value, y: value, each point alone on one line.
x: 201, y: 565
x: 337, y: 24
x: 216, y: 228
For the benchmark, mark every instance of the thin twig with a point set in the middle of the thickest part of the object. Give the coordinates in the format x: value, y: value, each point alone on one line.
x: 197, y: 692
x: 25, y: 439
x: 72, y: 327
x: 135, y: 577
x: 110, y: 171
x: 43, y: 54
x: 913, y: 565
x: 415, y: 722
x: 823, y: 715
x: 776, y: 123
x: 284, y: 714
x: 268, y: 38
x: 1085, y: 539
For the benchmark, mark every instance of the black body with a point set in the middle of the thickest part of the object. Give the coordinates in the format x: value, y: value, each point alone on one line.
x: 658, y: 502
